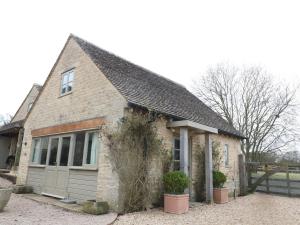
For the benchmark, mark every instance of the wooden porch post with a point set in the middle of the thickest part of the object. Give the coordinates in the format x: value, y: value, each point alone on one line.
x: 208, y: 169
x: 19, y: 148
x: 184, y: 150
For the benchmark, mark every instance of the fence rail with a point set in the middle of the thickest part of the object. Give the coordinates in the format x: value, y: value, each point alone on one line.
x: 274, y: 178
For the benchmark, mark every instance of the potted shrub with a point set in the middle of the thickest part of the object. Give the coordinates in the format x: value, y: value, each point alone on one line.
x: 175, y: 200
x: 220, y: 193
x: 4, y: 197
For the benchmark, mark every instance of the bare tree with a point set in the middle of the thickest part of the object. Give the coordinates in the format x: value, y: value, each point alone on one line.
x: 5, y: 119
x: 250, y: 100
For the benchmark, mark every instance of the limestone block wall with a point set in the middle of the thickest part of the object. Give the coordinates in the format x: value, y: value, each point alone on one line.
x: 92, y: 96
x: 231, y: 171
x: 24, y: 108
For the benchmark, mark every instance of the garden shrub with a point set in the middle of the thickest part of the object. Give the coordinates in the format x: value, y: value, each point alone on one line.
x: 175, y: 182
x: 219, y: 179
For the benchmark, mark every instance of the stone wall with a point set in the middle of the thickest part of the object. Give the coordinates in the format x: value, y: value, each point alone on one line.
x: 231, y: 171
x: 92, y: 96
x: 24, y: 108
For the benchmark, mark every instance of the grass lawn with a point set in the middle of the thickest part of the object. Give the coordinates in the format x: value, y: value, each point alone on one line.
x: 281, y: 175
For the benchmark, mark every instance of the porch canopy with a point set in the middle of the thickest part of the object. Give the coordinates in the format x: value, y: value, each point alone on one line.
x: 11, y: 129
x: 186, y: 126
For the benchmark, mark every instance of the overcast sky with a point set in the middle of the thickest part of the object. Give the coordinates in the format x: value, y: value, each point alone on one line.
x: 177, y: 39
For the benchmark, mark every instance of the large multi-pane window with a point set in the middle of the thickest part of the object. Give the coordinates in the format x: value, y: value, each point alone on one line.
x: 77, y: 149
x: 67, y: 82
x: 176, y: 154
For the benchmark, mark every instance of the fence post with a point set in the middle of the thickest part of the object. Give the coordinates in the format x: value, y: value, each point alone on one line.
x: 288, y: 180
x: 267, y: 178
x: 242, y: 175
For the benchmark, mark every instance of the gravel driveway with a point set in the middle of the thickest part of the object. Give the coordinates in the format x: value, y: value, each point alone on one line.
x: 21, y: 211
x: 255, y: 209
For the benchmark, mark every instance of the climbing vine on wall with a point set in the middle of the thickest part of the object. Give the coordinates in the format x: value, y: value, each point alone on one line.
x: 135, y: 150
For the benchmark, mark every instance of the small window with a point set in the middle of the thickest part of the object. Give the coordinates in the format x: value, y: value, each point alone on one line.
x: 92, y: 147
x: 226, y: 155
x: 29, y: 106
x: 67, y: 82
x: 176, y: 156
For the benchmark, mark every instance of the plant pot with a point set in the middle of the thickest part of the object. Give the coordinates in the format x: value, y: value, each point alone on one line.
x: 4, y: 197
x: 220, y: 195
x: 176, y: 204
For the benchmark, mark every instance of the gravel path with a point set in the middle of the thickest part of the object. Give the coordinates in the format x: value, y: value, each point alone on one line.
x: 21, y: 211
x: 255, y: 209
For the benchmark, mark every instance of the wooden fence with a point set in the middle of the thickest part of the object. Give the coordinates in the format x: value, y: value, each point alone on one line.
x: 274, y: 178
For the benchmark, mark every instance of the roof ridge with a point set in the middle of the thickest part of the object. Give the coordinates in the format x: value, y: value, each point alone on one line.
x: 127, y: 61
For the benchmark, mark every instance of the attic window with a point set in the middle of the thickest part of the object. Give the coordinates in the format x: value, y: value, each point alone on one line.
x: 29, y: 107
x: 67, y: 82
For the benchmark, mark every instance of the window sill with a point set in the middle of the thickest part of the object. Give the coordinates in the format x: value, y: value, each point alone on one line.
x: 83, y: 168
x: 65, y: 94
x: 37, y: 166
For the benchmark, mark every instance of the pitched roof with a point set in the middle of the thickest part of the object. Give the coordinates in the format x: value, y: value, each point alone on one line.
x: 144, y: 88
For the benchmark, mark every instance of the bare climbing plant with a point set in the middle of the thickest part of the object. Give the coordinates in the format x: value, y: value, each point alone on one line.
x: 200, y: 162
x: 135, y: 149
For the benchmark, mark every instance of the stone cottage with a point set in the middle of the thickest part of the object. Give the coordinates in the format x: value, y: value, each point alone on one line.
x: 63, y: 154
x: 11, y: 134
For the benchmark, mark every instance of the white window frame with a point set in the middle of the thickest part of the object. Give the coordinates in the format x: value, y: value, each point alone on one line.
x: 62, y: 84
x: 71, y: 150
x: 39, y: 151
x: 49, y: 149
x: 226, y: 155
x: 85, y: 151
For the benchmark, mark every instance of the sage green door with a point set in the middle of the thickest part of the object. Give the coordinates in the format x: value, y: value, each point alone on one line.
x: 57, y: 170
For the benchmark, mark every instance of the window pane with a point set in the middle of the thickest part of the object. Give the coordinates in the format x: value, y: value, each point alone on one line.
x: 65, y: 79
x: 64, y: 89
x: 36, y: 149
x: 176, y: 165
x: 65, y: 151
x: 71, y: 76
x: 53, y: 151
x: 176, y: 154
x: 44, y: 150
x: 226, y: 155
x: 93, y: 144
x: 177, y: 144
x: 79, y: 146
x: 69, y: 87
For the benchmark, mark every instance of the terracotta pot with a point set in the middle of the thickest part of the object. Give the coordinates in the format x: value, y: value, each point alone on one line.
x: 220, y: 195
x: 176, y: 204
x: 4, y: 197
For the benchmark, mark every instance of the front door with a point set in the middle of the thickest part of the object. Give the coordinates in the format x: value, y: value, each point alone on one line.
x: 57, y: 171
